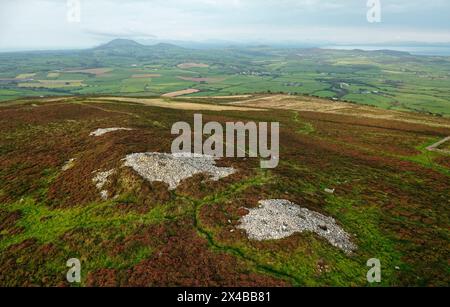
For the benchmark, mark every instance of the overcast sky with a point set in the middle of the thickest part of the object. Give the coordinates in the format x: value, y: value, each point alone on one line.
x: 43, y: 24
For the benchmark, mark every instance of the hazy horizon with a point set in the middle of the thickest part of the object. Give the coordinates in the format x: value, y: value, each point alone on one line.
x: 44, y: 24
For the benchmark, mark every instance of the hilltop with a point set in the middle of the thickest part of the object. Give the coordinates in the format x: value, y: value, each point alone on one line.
x: 120, y: 43
x: 93, y: 178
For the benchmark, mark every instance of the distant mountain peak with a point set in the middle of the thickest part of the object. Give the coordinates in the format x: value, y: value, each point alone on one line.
x: 120, y: 43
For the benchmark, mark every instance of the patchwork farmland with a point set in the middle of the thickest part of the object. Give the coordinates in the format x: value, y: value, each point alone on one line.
x: 389, y: 80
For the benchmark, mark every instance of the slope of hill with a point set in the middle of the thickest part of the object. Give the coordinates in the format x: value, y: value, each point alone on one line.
x: 66, y: 192
x: 120, y: 43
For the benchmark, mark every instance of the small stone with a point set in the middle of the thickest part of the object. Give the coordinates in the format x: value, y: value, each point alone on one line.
x: 104, y: 194
x: 323, y: 227
x: 68, y: 165
x: 100, y: 132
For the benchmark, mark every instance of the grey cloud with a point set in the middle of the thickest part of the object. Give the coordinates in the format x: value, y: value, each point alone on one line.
x: 40, y: 23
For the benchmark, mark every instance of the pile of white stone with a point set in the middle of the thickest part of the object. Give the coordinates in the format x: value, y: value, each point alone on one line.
x: 277, y: 219
x: 173, y: 168
x: 100, y: 132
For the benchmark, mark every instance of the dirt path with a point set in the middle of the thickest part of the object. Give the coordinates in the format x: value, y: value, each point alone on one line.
x: 435, y: 147
x: 220, y: 97
x: 181, y: 93
x: 233, y: 250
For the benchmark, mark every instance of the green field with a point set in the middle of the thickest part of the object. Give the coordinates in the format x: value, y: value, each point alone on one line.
x: 387, y: 79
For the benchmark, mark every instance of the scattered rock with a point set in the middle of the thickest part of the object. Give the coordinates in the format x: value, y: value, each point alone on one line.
x: 173, y: 168
x: 277, y: 219
x: 322, y: 266
x: 100, y: 132
x: 104, y: 194
x: 330, y: 191
x: 68, y: 165
x: 100, y: 180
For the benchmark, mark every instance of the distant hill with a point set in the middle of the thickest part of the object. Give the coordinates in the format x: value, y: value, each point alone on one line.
x: 120, y: 43
x: 394, y: 52
x: 166, y: 46
x: 131, y: 44
x: 130, y: 48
